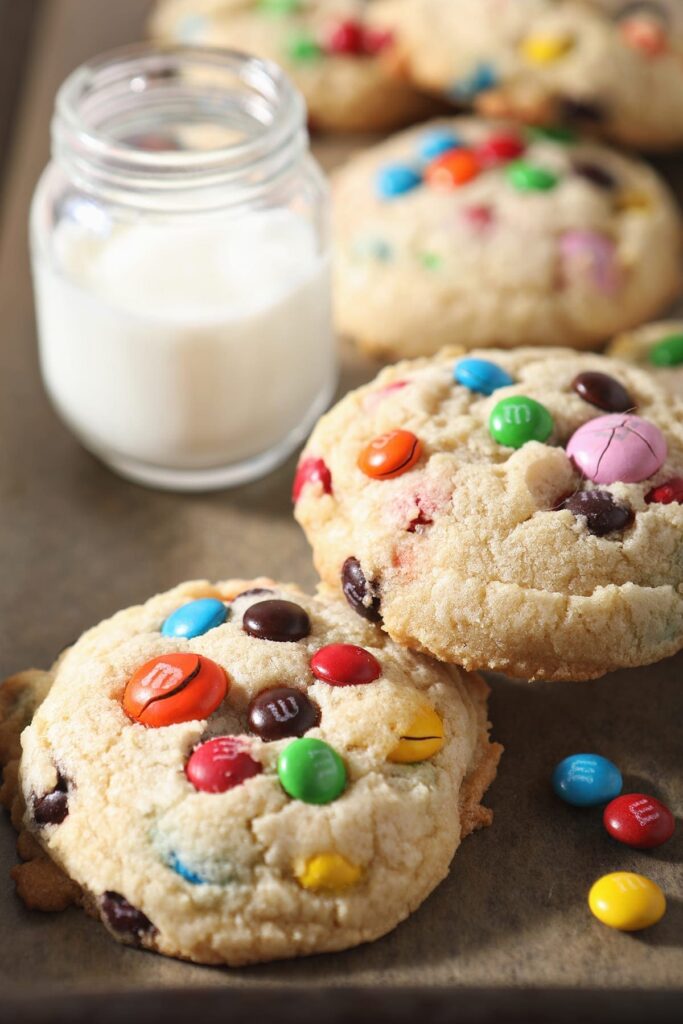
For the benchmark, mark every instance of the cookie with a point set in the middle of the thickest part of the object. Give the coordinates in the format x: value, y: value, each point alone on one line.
x: 240, y: 772
x: 469, y: 232
x: 505, y: 510
x: 588, y: 62
x: 656, y: 347
x: 345, y: 68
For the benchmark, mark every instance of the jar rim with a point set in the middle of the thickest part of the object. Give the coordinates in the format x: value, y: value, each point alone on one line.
x: 140, y: 76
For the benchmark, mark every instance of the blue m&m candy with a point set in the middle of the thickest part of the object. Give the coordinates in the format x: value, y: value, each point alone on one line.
x: 397, y: 179
x: 586, y: 780
x: 195, y: 618
x: 481, y: 376
x: 436, y: 143
x: 483, y: 77
x: 181, y: 869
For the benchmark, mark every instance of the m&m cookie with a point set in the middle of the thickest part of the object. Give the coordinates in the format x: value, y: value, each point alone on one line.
x: 239, y: 772
x: 549, y: 62
x: 658, y: 348
x: 485, y: 233
x: 346, y: 67
x: 519, y: 511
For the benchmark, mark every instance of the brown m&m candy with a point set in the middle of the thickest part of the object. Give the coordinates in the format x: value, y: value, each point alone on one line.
x: 282, y: 621
x: 53, y: 807
x: 123, y: 917
x: 280, y: 712
x: 603, y: 391
x: 357, y: 591
x: 390, y: 455
x: 603, y: 514
x: 174, y: 688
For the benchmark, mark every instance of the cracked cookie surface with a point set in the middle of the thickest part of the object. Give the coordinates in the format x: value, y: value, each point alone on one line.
x: 307, y: 820
x: 535, y: 533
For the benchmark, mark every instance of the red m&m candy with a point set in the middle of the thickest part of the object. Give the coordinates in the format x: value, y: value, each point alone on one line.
x: 345, y: 665
x: 311, y: 471
x: 174, y: 688
x: 639, y: 820
x: 668, y: 493
x: 346, y: 37
x: 499, y: 148
x: 390, y: 455
x: 221, y: 764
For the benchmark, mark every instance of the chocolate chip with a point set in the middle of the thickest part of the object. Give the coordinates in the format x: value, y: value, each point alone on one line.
x: 356, y: 591
x: 603, y: 514
x: 254, y: 592
x: 53, y: 808
x: 282, y: 621
x: 282, y: 711
x: 603, y: 391
x: 596, y: 174
x: 122, y: 916
x: 582, y: 110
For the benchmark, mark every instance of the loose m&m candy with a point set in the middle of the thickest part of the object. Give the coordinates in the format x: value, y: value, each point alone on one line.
x: 585, y: 780
x: 519, y: 419
x: 639, y: 821
x: 221, y: 764
x: 174, y: 688
x: 626, y: 901
x: 311, y: 771
x: 390, y: 455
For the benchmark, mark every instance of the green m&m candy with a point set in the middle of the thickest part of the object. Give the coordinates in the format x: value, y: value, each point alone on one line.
x: 668, y: 351
x: 280, y: 6
x: 519, y: 419
x: 303, y: 47
x: 310, y: 770
x: 528, y: 177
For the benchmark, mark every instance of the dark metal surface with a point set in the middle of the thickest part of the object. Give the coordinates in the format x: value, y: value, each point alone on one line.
x: 508, y: 936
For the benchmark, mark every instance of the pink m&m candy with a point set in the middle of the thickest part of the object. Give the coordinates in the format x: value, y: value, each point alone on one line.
x: 639, y: 820
x: 221, y: 764
x: 617, y: 448
x: 592, y: 257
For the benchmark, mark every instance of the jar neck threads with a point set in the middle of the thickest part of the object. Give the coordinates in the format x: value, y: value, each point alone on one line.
x: 178, y: 128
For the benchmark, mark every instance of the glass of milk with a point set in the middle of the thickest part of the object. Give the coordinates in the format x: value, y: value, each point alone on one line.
x: 181, y: 267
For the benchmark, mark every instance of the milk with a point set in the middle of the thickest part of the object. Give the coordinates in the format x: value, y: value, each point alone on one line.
x: 186, y: 354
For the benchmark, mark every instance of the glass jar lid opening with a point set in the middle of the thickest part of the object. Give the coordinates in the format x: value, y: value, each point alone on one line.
x: 163, y: 121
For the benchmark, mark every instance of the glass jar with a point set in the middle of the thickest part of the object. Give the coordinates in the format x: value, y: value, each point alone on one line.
x: 180, y: 252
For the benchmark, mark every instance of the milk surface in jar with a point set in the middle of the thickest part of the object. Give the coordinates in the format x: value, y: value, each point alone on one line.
x: 181, y: 267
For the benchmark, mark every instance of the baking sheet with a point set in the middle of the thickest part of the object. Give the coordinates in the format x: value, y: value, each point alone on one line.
x: 77, y: 543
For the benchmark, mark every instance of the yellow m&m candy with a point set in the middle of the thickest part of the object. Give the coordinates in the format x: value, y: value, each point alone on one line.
x: 327, y: 871
x: 423, y: 738
x: 539, y: 49
x: 626, y: 901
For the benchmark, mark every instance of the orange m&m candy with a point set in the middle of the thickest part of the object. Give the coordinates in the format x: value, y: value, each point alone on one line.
x: 174, y: 688
x: 390, y: 455
x: 452, y: 169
